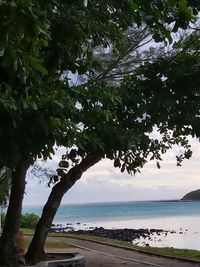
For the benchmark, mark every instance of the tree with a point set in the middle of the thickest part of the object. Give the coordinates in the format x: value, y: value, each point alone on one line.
x: 5, y: 178
x: 120, y: 127
x: 164, y: 93
x: 40, y: 43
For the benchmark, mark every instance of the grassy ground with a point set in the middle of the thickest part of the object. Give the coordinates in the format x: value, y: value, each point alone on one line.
x: 166, y: 251
x: 48, y: 243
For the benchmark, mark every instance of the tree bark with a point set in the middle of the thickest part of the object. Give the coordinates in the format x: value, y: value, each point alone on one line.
x: 8, y: 241
x: 36, y: 251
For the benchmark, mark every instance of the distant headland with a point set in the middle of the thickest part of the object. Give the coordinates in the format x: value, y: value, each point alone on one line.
x: 193, y: 195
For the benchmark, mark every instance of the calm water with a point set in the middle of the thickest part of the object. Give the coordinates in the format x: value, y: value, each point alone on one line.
x: 101, y: 212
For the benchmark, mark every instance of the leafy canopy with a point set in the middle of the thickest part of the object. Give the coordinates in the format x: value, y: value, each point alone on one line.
x: 41, y: 41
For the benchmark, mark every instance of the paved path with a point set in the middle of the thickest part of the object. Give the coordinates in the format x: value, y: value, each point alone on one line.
x: 100, y: 255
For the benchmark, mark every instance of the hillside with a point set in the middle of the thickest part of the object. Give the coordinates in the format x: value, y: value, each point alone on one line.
x: 194, y: 195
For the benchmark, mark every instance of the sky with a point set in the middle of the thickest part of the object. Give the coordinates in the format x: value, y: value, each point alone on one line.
x: 104, y: 183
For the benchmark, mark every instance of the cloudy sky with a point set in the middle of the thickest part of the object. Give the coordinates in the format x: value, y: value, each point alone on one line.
x: 104, y: 183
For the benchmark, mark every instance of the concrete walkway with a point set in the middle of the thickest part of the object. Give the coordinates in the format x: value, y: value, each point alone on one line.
x: 101, y: 255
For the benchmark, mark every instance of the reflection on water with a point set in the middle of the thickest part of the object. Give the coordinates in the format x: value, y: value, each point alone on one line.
x: 181, y: 239
x: 184, y: 232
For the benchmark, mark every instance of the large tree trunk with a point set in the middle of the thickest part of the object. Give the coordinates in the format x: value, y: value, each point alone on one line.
x: 36, y: 248
x: 8, y: 241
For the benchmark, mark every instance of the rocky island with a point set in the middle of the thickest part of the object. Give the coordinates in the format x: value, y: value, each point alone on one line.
x: 193, y: 195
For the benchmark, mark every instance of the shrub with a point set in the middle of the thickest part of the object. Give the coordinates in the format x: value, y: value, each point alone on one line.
x: 29, y: 220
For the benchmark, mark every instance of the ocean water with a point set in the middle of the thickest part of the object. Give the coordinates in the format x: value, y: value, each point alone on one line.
x: 119, y: 211
x: 181, y: 216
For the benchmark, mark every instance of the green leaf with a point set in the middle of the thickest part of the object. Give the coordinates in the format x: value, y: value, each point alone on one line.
x: 117, y: 163
x: 133, y: 5
x: 36, y: 64
x: 60, y: 104
x: 158, y: 165
x: 64, y: 164
x: 10, y: 57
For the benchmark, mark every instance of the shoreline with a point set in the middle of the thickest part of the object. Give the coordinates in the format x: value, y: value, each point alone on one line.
x: 178, y: 232
x: 140, y: 237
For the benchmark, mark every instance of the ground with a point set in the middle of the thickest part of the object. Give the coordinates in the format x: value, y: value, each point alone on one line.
x: 99, y: 255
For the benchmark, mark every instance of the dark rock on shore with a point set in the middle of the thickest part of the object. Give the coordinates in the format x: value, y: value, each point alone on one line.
x: 121, y: 234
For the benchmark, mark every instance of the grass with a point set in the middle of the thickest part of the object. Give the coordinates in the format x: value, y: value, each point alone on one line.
x: 175, y: 252
x: 48, y: 243
x: 27, y: 231
x: 164, y: 251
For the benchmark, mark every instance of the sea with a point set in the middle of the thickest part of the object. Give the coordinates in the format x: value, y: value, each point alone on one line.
x: 180, y: 218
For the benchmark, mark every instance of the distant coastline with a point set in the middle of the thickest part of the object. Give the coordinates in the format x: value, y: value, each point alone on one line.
x: 192, y: 196
x: 106, y: 202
